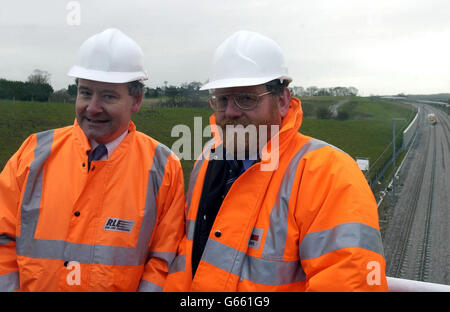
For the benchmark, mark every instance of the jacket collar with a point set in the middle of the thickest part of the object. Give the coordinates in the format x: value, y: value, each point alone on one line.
x: 83, y: 141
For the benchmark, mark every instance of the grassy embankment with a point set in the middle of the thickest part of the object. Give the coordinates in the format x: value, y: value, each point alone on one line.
x: 366, y: 133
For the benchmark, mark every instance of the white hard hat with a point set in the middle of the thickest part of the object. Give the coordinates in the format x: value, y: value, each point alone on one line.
x: 246, y: 59
x: 110, y: 56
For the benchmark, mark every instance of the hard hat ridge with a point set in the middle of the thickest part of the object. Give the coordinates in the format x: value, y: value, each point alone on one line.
x: 246, y: 59
x: 110, y: 56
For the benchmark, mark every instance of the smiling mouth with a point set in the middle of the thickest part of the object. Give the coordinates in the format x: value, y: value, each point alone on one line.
x: 96, y: 121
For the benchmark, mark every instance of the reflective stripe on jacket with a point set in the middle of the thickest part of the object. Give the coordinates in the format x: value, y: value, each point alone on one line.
x: 114, y: 228
x: 309, y: 225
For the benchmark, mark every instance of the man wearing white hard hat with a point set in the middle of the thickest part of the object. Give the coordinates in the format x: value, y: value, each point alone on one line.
x: 309, y: 223
x: 95, y: 206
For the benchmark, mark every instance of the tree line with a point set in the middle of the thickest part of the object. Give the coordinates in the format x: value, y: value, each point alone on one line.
x: 186, y: 95
x: 333, y: 91
x: 38, y: 88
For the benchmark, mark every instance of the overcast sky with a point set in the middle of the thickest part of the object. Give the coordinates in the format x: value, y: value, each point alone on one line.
x: 379, y: 47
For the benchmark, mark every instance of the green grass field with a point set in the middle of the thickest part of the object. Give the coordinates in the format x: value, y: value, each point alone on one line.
x: 366, y: 134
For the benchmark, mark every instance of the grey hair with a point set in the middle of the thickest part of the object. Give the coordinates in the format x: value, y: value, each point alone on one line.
x: 276, y: 86
x: 136, y: 88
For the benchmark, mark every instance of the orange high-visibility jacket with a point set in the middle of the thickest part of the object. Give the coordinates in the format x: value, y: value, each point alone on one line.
x: 309, y: 225
x: 114, y: 228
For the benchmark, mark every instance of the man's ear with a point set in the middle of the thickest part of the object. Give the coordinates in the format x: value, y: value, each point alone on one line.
x: 137, y: 103
x: 285, y: 100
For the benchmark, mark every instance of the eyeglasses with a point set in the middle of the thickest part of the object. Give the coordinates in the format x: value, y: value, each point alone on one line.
x: 244, y: 101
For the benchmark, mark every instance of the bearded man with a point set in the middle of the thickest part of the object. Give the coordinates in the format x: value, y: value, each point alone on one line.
x: 297, y: 216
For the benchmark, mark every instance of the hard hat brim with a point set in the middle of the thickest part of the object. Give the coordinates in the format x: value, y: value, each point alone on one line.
x: 112, y: 77
x: 241, y: 82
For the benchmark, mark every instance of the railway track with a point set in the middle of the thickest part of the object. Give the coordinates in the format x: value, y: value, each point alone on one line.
x: 412, y: 240
x: 444, y: 121
x: 426, y: 242
x: 403, y: 242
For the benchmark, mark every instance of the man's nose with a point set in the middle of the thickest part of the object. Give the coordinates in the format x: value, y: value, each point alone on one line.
x: 232, y: 110
x: 95, y: 105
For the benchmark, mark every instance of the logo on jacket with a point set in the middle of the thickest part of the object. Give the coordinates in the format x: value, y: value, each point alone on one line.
x: 255, y: 238
x: 120, y: 225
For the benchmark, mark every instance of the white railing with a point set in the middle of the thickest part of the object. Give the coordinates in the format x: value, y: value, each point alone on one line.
x: 404, y: 285
x: 410, y: 131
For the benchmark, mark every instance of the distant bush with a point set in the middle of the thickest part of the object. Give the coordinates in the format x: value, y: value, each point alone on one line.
x: 343, y: 115
x: 323, y: 112
x: 308, y: 109
x: 61, y: 96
